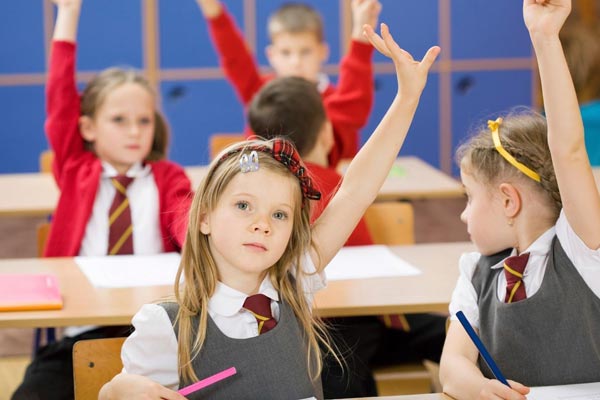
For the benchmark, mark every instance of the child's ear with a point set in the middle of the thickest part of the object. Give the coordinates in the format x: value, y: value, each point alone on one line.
x: 269, y: 53
x: 325, y: 138
x: 511, y: 199
x: 86, y: 127
x: 324, y: 52
x: 204, y: 223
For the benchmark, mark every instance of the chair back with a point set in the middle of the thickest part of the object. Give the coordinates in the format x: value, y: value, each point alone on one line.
x: 218, y: 141
x: 95, y: 362
x: 46, y: 158
x: 391, y: 222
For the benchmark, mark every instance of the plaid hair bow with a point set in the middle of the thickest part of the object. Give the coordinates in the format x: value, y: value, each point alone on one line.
x: 284, y: 152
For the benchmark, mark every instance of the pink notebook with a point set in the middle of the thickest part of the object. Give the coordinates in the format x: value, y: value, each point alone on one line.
x: 22, y: 292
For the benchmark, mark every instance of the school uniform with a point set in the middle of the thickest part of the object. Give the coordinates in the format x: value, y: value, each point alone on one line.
x: 158, y: 196
x: 230, y: 328
x: 559, y: 320
x: 348, y: 104
x: 78, y: 171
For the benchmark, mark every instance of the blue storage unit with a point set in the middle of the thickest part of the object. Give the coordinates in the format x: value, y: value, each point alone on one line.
x: 486, y: 50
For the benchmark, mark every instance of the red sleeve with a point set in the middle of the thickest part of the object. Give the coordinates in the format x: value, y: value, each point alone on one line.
x: 62, y: 107
x: 176, y: 198
x: 327, y: 181
x: 349, y: 105
x: 237, y: 62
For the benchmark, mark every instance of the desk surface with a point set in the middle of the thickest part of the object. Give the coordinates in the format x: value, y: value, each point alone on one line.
x: 429, y: 396
x: 411, y: 178
x: 85, y: 304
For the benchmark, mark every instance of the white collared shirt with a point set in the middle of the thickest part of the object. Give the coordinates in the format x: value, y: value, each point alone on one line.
x: 143, y: 203
x: 585, y: 260
x: 151, y: 350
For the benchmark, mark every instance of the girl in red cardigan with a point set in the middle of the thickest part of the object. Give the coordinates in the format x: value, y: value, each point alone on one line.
x: 118, y: 194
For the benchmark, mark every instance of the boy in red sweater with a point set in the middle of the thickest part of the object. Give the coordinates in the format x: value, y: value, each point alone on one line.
x: 298, y: 49
x: 291, y: 107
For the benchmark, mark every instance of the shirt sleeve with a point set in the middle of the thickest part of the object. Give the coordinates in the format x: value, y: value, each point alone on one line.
x: 585, y: 260
x: 312, y: 281
x: 151, y: 350
x: 464, y: 297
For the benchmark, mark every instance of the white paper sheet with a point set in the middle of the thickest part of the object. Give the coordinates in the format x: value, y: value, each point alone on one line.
x: 360, y: 262
x: 128, y: 271
x: 583, y: 391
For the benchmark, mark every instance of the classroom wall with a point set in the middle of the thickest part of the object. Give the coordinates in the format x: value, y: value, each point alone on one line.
x: 485, y: 67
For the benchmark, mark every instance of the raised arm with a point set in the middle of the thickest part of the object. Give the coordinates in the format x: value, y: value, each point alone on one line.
x: 371, y: 165
x: 581, y: 201
x: 349, y: 106
x: 62, y: 99
x: 235, y: 58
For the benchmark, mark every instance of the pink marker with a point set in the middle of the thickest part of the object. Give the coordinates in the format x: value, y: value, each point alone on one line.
x: 207, y: 381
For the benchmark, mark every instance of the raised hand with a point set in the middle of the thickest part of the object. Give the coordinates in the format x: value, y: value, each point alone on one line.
x: 545, y: 17
x: 67, y: 18
x: 364, y: 12
x: 412, y: 74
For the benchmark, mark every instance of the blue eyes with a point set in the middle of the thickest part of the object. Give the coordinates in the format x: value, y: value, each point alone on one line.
x: 241, y: 205
x: 280, y: 215
x: 244, y: 206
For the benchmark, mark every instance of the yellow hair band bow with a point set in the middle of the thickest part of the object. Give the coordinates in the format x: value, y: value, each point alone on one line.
x: 494, y: 125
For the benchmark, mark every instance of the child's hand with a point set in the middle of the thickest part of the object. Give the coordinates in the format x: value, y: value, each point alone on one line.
x: 494, y: 389
x: 412, y: 75
x: 364, y: 12
x: 130, y: 386
x: 545, y: 17
x: 67, y: 3
x: 210, y: 8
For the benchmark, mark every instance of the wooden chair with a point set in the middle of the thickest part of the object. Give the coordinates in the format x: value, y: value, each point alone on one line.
x: 46, y: 158
x: 392, y: 223
x: 95, y: 362
x: 218, y: 141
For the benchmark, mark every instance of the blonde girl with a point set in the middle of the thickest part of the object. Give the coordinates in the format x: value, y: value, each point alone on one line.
x: 109, y: 148
x: 249, y: 235
x: 533, y: 211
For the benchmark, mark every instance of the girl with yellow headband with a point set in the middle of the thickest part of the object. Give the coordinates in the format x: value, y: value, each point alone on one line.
x: 532, y: 291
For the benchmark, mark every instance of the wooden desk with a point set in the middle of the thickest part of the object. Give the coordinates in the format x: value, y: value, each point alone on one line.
x: 85, y: 304
x: 411, y: 178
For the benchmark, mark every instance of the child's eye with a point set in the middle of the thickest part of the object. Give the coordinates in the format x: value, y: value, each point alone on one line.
x: 145, y: 121
x: 280, y: 215
x: 118, y: 119
x: 242, y: 205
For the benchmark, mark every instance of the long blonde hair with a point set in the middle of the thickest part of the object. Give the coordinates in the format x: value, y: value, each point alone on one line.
x: 200, y: 273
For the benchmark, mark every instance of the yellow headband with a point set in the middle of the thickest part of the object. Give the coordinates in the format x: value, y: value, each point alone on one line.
x: 494, y: 125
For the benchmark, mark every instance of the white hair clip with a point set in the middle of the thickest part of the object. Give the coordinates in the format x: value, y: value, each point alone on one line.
x: 249, y: 163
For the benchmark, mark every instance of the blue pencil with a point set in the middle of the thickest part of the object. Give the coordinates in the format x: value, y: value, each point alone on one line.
x: 482, y: 350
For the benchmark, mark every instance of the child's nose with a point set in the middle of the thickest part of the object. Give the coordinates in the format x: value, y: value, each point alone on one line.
x: 261, y: 225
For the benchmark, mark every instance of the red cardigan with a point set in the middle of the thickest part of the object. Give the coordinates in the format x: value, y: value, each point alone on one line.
x: 77, y: 171
x: 327, y: 180
x: 348, y: 105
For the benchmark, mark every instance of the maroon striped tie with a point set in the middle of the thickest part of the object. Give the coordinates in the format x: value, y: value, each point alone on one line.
x: 260, y: 306
x: 120, y: 231
x: 513, y: 270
